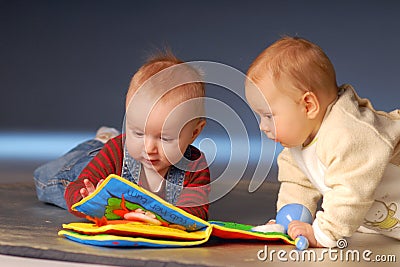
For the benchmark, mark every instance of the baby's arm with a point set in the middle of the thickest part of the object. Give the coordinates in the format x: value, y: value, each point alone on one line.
x: 355, y: 166
x: 98, y: 169
x: 295, y: 185
x: 194, y: 195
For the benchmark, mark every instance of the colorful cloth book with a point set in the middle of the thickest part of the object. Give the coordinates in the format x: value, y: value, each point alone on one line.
x: 115, y: 197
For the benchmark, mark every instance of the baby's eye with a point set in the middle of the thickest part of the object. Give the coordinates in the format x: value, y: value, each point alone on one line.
x: 167, y: 139
x: 138, y: 134
x: 268, y: 115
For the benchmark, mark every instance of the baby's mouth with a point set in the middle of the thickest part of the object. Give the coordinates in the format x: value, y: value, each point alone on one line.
x: 150, y: 161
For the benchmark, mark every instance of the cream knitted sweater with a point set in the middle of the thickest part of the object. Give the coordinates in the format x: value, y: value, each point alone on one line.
x: 354, y: 147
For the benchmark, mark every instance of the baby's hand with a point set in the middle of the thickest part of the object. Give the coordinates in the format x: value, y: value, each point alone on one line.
x: 142, y: 216
x: 272, y: 221
x: 89, y: 188
x: 297, y: 228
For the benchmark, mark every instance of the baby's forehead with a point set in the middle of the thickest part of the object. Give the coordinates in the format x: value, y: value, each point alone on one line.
x: 170, y: 99
x: 164, y: 117
x: 168, y: 106
x: 256, y: 89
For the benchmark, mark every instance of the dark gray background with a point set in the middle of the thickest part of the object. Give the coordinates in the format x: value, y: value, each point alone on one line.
x: 65, y: 65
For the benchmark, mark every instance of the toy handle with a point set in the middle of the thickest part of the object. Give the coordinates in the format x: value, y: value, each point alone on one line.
x: 301, y: 242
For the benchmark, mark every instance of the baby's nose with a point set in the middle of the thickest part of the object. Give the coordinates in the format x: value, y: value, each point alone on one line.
x: 150, y: 145
x: 264, y: 128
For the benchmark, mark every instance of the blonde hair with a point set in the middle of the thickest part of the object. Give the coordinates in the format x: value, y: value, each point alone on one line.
x: 304, y: 63
x: 168, y: 70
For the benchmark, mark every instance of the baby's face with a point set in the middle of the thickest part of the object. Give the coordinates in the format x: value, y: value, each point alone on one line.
x: 158, y: 139
x: 281, y: 118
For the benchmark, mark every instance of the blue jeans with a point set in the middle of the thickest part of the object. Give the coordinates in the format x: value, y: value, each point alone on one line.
x: 52, y: 178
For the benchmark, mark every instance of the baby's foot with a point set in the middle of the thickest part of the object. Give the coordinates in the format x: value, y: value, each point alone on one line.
x: 104, y: 134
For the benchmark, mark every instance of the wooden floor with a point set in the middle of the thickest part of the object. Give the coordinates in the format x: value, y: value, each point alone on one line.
x: 28, y: 228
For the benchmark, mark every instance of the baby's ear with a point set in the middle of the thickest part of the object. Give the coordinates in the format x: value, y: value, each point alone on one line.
x: 311, y: 104
x: 198, y: 128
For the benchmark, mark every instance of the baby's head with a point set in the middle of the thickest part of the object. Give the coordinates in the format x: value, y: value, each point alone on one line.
x: 290, y: 85
x: 164, y: 111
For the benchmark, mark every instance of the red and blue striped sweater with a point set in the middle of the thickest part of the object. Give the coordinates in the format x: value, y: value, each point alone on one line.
x: 109, y: 161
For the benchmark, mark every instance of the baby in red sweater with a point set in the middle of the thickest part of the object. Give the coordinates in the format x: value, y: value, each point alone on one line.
x: 164, y: 115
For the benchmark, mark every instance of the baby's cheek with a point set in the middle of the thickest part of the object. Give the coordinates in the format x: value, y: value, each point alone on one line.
x: 134, y: 147
x: 172, y: 152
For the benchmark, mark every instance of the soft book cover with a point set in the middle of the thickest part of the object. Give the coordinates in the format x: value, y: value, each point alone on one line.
x: 116, y: 196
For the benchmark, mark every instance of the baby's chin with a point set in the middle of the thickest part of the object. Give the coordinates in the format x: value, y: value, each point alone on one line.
x: 276, y: 140
x: 286, y: 145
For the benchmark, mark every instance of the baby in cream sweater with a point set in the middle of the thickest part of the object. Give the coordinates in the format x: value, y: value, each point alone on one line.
x: 336, y: 145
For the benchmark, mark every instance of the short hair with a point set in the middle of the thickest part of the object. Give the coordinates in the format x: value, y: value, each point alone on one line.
x: 304, y: 63
x: 168, y: 70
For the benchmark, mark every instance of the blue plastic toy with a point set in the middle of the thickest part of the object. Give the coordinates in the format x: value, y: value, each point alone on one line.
x: 291, y: 212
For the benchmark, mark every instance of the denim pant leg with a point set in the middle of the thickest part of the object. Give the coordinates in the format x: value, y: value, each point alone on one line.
x: 52, y: 178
